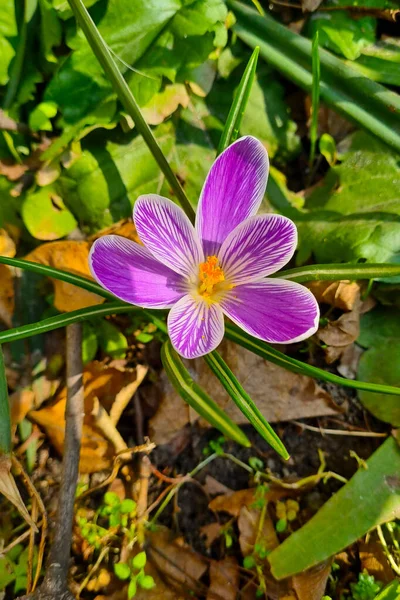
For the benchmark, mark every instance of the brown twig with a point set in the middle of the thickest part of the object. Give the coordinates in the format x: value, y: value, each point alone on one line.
x: 339, y: 431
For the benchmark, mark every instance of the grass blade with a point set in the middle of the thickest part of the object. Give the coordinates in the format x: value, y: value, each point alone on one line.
x: 243, y: 401
x: 335, y: 272
x: 196, y: 397
x: 101, y: 310
x: 121, y: 88
x: 5, y: 417
x: 316, y: 76
x: 356, y: 97
x: 232, y: 125
x: 264, y: 350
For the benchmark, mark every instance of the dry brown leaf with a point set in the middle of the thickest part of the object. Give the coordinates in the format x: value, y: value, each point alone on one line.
x: 278, y: 393
x: 339, y: 335
x: 125, y: 227
x: 311, y: 584
x: 176, y: 568
x: 21, y: 402
x: 224, y: 579
x: 7, y: 248
x: 340, y: 294
x: 248, y: 524
x: 102, y: 384
x: 212, y: 532
x: 9, y: 489
x: 349, y: 360
x: 373, y: 559
x: 213, y: 486
x: 73, y: 257
x: 233, y: 502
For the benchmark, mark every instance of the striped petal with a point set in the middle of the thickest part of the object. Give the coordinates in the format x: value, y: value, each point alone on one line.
x: 132, y: 274
x: 195, y: 327
x: 167, y: 232
x: 232, y: 192
x: 259, y: 246
x: 274, y: 310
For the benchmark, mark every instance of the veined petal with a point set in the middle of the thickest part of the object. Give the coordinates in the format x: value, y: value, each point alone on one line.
x: 257, y: 247
x: 232, y: 192
x: 167, y: 232
x: 195, y: 327
x: 132, y: 274
x: 274, y: 310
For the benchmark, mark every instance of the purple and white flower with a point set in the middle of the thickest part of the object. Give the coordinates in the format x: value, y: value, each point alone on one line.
x: 219, y: 267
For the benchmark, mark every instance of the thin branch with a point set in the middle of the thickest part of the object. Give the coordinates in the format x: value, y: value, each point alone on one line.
x: 339, y: 431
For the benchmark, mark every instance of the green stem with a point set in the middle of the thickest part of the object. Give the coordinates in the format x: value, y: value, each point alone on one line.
x: 18, y: 63
x: 335, y: 272
x: 121, y: 88
x: 5, y: 417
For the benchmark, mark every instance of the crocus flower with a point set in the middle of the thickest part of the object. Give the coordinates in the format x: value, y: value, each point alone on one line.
x: 217, y: 267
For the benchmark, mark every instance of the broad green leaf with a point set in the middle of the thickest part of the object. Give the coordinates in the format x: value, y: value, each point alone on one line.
x: 5, y: 418
x: 390, y: 591
x: 334, y: 272
x: 9, y: 206
x: 316, y: 77
x: 197, y: 17
x: 381, y: 364
x: 341, y: 33
x: 237, y: 110
x: 244, y: 402
x: 327, y: 147
x: 50, y: 30
x: 381, y: 61
x: 379, y: 327
x: 354, y: 214
x: 111, y: 339
x: 39, y: 118
x: 370, y: 498
x: 100, y: 187
x: 122, y: 570
x: 139, y: 561
x: 46, y: 216
x: 196, y: 397
x: 8, y: 30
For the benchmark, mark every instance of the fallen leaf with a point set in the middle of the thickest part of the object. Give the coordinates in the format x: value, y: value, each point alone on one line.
x: 125, y: 227
x: 339, y: 335
x: 21, y: 402
x: 69, y: 256
x: 213, y: 487
x: 212, y: 532
x: 232, y: 503
x: 278, y: 393
x: 102, y: 386
x: 374, y: 560
x: 339, y: 294
x: 9, y: 489
x: 249, y: 531
x: 349, y: 361
x: 7, y: 248
x: 224, y: 579
x: 311, y: 584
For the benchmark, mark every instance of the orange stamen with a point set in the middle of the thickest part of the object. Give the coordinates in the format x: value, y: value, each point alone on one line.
x: 210, y: 274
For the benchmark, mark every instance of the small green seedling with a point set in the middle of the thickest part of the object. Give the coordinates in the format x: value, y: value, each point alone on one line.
x: 366, y: 587
x: 14, y: 568
x: 118, y: 511
x: 135, y: 573
x: 215, y: 446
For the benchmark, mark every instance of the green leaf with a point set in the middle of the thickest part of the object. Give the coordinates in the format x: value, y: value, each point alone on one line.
x: 45, y: 215
x: 139, y: 561
x: 359, y: 99
x: 111, y: 339
x: 196, y: 397
x: 235, y: 116
x: 244, y: 402
x: 89, y: 343
x: 50, y: 30
x: 381, y: 364
x: 146, y: 582
x: 316, y: 76
x: 327, y: 147
x: 379, y: 327
x: 39, y: 118
x: 267, y: 352
x: 390, y: 591
x: 122, y: 571
x: 370, y: 498
x: 112, y: 499
x: 127, y: 506
x: 197, y: 17
x: 132, y: 588
x: 334, y: 272
x: 8, y: 29
x: 354, y: 214
x: 5, y: 418
x: 341, y: 33
x: 381, y: 61
x: 101, y: 186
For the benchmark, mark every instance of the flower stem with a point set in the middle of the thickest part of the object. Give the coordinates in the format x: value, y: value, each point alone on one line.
x: 121, y: 88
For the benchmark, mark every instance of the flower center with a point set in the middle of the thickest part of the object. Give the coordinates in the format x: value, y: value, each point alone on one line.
x: 210, y: 274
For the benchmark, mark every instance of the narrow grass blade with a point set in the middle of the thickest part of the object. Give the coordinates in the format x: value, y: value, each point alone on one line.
x: 264, y: 350
x: 77, y: 280
x: 232, y: 125
x: 102, y: 310
x: 356, y: 97
x: 121, y: 88
x: 316, y: 75
x: 196, y: 397
x: 335, y: 272
x: 5, y: 418
x: 243, y: 401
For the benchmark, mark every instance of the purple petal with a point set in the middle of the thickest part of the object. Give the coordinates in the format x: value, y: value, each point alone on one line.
x: 258, y: 247
x: 274, y: 310
x: 167, y: 232
x: 232, y: 192
x: 195, y: 327
x: 131, y: 273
